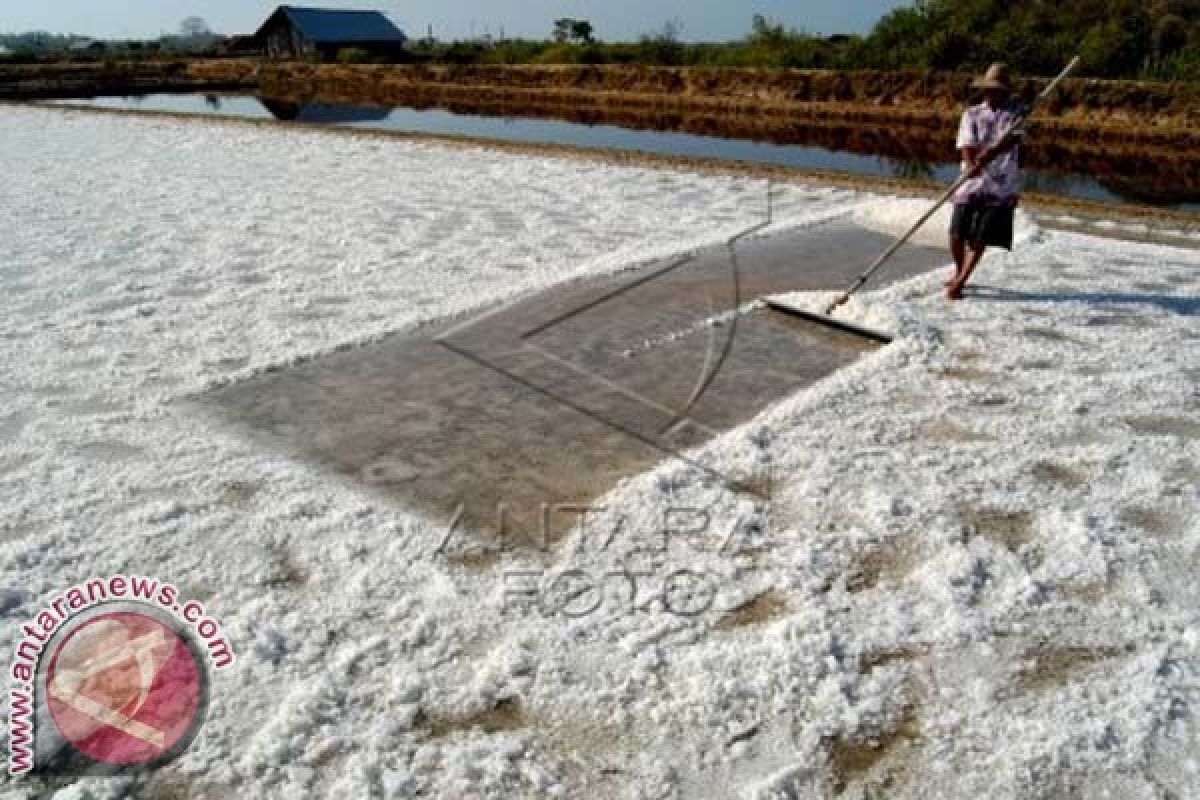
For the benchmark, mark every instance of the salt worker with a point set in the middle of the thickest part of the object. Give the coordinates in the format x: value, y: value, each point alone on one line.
x: 985, y: 204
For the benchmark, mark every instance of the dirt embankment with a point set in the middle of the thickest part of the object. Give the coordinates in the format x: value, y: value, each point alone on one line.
x: 1087, y: 109
x: 89, y: 79
x: 1144, y: 137
x: 1143, y: 134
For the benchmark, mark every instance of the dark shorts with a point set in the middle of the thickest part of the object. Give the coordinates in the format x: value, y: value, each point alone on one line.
x: 978, y: 224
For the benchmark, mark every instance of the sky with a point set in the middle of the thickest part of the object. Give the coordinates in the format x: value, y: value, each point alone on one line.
x: 712, y: 20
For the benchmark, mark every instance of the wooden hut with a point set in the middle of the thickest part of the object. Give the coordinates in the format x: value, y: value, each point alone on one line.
x: 295, y: 32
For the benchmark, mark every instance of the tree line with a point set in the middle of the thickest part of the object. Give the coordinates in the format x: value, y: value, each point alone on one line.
x: 194, y: 36
x: 1116, y: 38
x: 1158, y: 39
x: 1155, y: 39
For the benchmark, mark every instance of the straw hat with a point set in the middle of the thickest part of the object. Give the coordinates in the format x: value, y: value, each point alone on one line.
x: 996, y: 77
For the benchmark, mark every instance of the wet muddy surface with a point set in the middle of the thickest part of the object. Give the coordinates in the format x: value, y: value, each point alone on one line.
x: 548, y: 402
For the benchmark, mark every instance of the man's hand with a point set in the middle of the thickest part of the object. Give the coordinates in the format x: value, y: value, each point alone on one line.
x: 970, y: 157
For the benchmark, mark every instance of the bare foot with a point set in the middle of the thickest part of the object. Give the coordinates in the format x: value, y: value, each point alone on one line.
x: 954, y: 291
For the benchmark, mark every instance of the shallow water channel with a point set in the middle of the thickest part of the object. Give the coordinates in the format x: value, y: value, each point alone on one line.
x: 887, y: 152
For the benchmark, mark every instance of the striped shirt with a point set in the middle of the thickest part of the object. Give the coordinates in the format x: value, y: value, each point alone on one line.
x: 983, y: 127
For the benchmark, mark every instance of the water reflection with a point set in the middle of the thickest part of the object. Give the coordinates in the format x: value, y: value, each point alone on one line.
x: 920, y: 155
x: 1047, y: 183
x: 323, y: 113
x: 911, y: 169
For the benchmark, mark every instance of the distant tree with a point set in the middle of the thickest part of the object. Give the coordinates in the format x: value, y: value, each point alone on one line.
x: 575, y: 31
x: 771, y: 44
x: 1117, y: 47
x: 1117, y: 38
x: 947, y: 49
x: 583, y: 32
x: 672, y: 29
x: 899, y: 39
x: 1170, y: 35
x: 765, y: 31
x: 663, y: 48
x: 36, y: 42
x: 194, y: 28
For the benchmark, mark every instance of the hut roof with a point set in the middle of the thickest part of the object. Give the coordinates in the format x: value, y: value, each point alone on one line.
x: 338, y: 26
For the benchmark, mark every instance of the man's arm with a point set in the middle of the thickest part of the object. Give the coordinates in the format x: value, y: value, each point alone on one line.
x: 968, y: 142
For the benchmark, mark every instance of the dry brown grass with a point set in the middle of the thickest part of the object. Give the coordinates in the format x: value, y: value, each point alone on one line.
x: 1141, y: 103
x: 1149, y: 108
x: 31, y: 81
